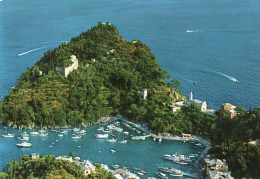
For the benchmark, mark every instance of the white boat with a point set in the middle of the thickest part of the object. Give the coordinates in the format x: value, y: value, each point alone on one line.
x: 100, y: 129
x: 8, y: 135
x: 64, y: 132
x: 107, y: 131
x: 162, y: 175
x: 76, y: 129
x: 34, y: 133
x: 42, y: 130
x: 25, y: 138
x: 177, y: 175
x: 118, y: 129
x: 24, y: 144
x: 126, y: 133
x: 25, y: 134
x: 111, y: 140
x: 115, y: 166
x: 113, y: 151
x: 76, y: 137
x: 60, y: 135
x: 43, y: 134
x: 101, y: 136
x: 189, y: 30
x: 123, y: 142
x: 138, y: 138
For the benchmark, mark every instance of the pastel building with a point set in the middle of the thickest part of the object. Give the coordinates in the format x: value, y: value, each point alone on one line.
x: 87, y: 167
x: 228, y: 109
x: 201, y: 104
x: 66, y: 70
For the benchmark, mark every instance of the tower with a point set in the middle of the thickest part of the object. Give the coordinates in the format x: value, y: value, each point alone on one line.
x: 145, y: 93
x: 203, y: 106
x: 191, y: 97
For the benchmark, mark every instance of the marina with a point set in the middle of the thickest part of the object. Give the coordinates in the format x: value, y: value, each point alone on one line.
x: 107, y: 148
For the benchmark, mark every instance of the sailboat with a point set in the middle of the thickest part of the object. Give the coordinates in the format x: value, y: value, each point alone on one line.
x: 43, y: 132
x: 123, y: 141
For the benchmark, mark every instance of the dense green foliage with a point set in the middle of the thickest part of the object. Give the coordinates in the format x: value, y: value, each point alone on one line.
x: 43, y: 167
x: 229, y: 137
x: 48, y: 167
x: 108, y: 86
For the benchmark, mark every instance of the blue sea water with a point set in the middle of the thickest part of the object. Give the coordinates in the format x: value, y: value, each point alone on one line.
x: 222, y: 45
x: 147, y: 155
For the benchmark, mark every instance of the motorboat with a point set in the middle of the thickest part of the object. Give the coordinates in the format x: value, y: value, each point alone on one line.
x: 34, y: 133
x: 76, y: 137
x: 123, y: 142
x: 43, y: 134
x: 126, y: 133
x: 25, y: 138
x: 8, y: 135
x: 113, y: 151
x: 111, y: 140
x: 25, y: 134
x: 177, y: 174
x: 101, y: 136
x: 24, y: 144
x: 60, y: 135
x: 162, y: 175
x: 115, y: 166
x: 100, y: 129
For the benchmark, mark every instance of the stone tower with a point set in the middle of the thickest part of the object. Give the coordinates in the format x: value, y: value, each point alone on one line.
x: 191, y: 97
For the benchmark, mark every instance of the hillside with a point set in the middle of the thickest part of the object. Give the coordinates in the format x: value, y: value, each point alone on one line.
x: 107, y: 77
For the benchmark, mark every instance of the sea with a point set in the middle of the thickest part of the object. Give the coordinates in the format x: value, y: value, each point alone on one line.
x: 211, y: 47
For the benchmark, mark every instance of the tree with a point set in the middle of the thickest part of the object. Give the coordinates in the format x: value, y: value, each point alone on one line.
x: 72, y: 154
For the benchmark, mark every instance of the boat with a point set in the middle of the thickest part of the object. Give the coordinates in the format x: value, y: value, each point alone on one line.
x: 113, y: 151
x: 195, y: 82
x: 138, y: 138
x: 43, y: 134
x: 111, y: 140
x: 60, y: 135
x: 164, y: 169
x: 100, y: 129
x: 24, y: 144
x: 162, y: 175
x: 8, y: 135
x: 115, y: 166
x: 107, y: 131
x: 144, y: 172
x: 189, y: 30
x: 177, y: 175
x: 76, y: 129
x: 25, y: 134
x: 25, y: 138
x: 123, y: 141
x: 126, y: 133
x: 76, y: 137
x: 34, y: 133
x: 64, y: 132
x: 118, y: 129
x: 101, y: 136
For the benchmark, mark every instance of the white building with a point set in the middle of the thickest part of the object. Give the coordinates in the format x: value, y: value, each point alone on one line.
x: 66, y: 70
x: 68, y: 158
x: 201, y: 104
x: 87, y: 166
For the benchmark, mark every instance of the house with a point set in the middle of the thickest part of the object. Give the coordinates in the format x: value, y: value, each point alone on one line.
x: 254, y: 143
x: 93, y: 60
x: 215, y: 165
x: 87, y: 167
x: 219, y: 175
x: 176, y: 106
x: 143, y: 93
x: 35, y: 156
x: 186, y: 136
x: 67, y: 158
x: 87, y: 65
x: 228, y: 109
x: 66, y: 70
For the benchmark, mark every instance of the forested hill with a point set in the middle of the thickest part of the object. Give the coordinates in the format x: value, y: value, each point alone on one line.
x: 111, y: 75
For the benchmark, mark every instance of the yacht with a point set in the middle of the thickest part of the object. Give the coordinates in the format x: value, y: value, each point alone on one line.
x: 76, y: 137
x: 113, y: 151
x: 126, y: 133
x: 101, y: 136
x: 115, y: 166
x: 24, y: 144
x: 60, y: 135
x: 123, y: 142
x: 43, y: 134
x: 8, y: 135
x: 34, y: 133
x: 100, y: 129
x: 24, y: 138
x: 177, y: 175
x: 111, y: 140
x: 162, y: 175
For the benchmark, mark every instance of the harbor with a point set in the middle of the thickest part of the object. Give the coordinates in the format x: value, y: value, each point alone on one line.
x: 118, y: 146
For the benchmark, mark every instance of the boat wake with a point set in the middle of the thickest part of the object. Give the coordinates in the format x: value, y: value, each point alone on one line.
x: 225, y: 75
x: 29, y: 51
x: 191, y: 81
x: 35, y: 49
x: 192, y: 31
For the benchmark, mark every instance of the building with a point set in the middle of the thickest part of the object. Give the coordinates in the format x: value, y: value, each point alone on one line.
x: 35, y: 156
x: 93, y: 60
x: 67, y: 158
x: 143, y: 93
x: 87, y: 167
x: 176, y: 106
x: 219, y: 175
x: 202, y: 105
x: 254, y: 143
x: 186, y: 136
x: 87, y: 65
x: 215, y: 166
x: 66, y: 70
x: 228, y: 109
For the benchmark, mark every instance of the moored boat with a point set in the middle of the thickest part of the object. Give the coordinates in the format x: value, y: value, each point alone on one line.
x: 101, y: 136
x: 24, y: 144
x: 76, y: 137
x: 115, y: 166
x: 8, y: 135
x: 162, y: 175
x: 111, y: 140
x: 177, y: 175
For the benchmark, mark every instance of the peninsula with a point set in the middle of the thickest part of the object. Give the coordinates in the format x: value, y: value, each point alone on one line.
x: 99, y: 73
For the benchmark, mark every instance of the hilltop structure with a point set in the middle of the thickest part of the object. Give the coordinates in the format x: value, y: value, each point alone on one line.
x: 66, y: 70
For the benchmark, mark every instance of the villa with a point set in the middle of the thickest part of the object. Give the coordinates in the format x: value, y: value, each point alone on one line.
x: 228, y: 109
x: 87, y: 167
